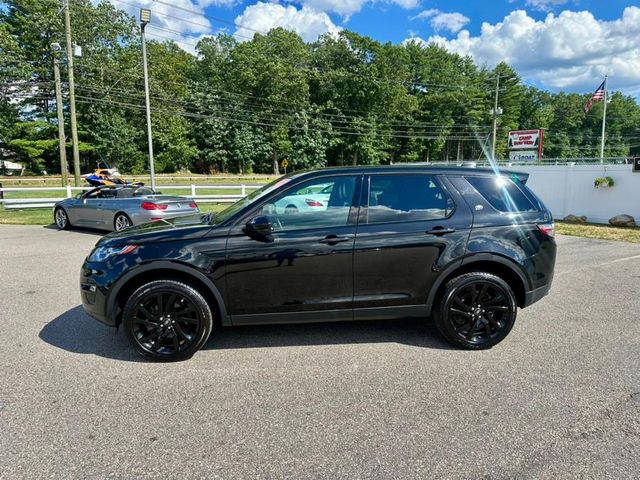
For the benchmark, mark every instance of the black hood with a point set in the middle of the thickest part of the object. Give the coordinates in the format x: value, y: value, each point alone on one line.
x: 180, y: 228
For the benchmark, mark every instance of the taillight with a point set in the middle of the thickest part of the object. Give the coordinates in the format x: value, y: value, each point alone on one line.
x: 193, y: 205
x: 547, y: 229
x: 153, y: 206
x: 313, y: 203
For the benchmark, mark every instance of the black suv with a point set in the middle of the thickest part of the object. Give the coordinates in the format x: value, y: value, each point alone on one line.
x: 467, y: 246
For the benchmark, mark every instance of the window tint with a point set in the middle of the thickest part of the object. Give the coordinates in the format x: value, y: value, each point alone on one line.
x: 406, y: 198
x: 502, y: 193
x: 319, y: 203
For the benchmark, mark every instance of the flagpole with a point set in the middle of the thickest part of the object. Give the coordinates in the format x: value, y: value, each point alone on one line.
x: 604, y: 120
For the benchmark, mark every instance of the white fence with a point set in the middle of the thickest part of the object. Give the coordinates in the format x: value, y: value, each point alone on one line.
x: 36, y: 202
x: 568, y: 189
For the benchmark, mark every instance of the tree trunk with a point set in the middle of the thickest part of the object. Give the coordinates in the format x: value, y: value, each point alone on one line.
x: 276, y: 168
x: 355, y: 158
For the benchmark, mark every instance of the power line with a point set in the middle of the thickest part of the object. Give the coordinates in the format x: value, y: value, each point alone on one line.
x: 181, y: 19
x: 342, y: 120
x: 90, y: 100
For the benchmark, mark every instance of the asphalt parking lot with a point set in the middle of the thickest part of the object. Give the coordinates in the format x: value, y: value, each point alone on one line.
x: 559, y: 398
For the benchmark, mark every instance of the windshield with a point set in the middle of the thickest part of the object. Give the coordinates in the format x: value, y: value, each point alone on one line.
x: 252, y: 197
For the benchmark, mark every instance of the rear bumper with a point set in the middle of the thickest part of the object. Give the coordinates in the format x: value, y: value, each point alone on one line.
x: 533, y: 296
x: 143, y: 216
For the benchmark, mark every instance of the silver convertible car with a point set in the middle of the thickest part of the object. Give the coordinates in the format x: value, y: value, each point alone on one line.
x: 119, y: 207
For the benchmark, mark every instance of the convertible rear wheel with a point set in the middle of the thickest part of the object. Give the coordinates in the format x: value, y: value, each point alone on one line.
x: 167, y: 320
x: 61, y: 218
x: 121, y: 222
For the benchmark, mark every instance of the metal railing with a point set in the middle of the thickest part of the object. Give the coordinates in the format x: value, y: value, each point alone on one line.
x: 40, y: 202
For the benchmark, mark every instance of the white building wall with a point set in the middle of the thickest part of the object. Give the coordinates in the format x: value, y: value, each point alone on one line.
x: 569, y: 189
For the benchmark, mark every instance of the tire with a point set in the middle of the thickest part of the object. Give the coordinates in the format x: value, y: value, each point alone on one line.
x: 155, y: 320
x: 476, y: 311
x: 61, y: 219
x: 121, y: 221
x: 290, y: 210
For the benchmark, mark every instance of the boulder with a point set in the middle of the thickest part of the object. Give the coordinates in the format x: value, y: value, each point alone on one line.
x: 622, y: 221
x: 575, y: 219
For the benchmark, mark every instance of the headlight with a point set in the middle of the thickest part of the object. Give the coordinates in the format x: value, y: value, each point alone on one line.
x: 100, y: 254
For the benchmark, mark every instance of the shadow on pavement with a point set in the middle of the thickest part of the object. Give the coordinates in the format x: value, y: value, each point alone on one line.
x: 87, y: 231
x: 74, y: 331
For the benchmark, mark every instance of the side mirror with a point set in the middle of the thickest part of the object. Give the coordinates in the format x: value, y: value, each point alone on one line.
x: 259, y: 228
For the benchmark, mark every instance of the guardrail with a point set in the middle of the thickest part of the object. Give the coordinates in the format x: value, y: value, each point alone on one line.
x: 36, y: 202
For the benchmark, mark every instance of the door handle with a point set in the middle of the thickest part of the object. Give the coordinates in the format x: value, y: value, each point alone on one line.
x: 334, y: 239
x: 440, y: 231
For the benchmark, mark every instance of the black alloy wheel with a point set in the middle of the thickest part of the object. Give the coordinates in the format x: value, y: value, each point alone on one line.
x: 167, y: 320
x: 477, y: 310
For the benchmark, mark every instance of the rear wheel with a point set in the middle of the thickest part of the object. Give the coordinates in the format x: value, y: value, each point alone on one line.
x: 290, y: 210
x: 166, y: 320
x: 121, y: 221
x: 477, y: 310
x: 61, y: 218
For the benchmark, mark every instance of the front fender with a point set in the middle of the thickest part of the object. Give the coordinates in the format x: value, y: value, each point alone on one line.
x: 113, y: 308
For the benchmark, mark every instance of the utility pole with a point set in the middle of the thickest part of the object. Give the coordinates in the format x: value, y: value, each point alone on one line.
x: 495, y: 112
x: 72, y: 94
x: 64, y: 171
x: 145, y: 18
x: 604, y: 119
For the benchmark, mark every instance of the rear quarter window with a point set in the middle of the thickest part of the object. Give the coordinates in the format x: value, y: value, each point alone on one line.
x: 504, y: 194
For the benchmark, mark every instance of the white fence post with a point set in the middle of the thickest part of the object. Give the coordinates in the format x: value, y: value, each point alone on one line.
x: 193, y: 190
x: 243, y: 190
x: 69, y: 195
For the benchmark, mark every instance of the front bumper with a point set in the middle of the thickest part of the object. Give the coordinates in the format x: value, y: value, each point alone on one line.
x: 93, y: 295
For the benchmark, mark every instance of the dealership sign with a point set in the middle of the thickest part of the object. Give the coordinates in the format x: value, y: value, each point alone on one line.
x: 525, y: 145
x: 523, y: 156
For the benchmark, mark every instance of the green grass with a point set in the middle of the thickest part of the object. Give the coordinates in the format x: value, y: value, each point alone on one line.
x: 603, y: 232
x: 44, y: 216
x: 31, y: 216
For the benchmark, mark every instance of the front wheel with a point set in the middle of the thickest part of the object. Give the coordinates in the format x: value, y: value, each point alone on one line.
x: 477, y: 310
x: 167, y: 320
x: 61, y: 218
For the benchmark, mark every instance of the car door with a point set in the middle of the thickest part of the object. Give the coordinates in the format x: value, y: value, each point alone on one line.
x: 302, y: 270
x: 86, y: 211
x: 410, y: 227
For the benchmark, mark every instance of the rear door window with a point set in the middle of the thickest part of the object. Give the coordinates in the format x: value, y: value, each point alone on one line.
x: 503, y: 194
x: 406, y: 198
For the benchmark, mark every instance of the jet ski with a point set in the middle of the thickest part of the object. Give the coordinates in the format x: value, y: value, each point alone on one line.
x: 105, y: 177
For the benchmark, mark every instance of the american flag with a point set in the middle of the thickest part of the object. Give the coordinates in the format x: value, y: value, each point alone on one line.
x: 597, y: 96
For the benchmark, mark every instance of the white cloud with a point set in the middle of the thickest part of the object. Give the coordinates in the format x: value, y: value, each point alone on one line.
x: 572, y: 50
x: 171, y: 23
x: 426, y: 14
x: 346, y: 8
x: 453, y: 22
x: 306, y: 22
x: 544, y: 5
x: 218, y: 3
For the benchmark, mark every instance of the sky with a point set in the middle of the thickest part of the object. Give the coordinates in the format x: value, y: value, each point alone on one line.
x: 557, y: 45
